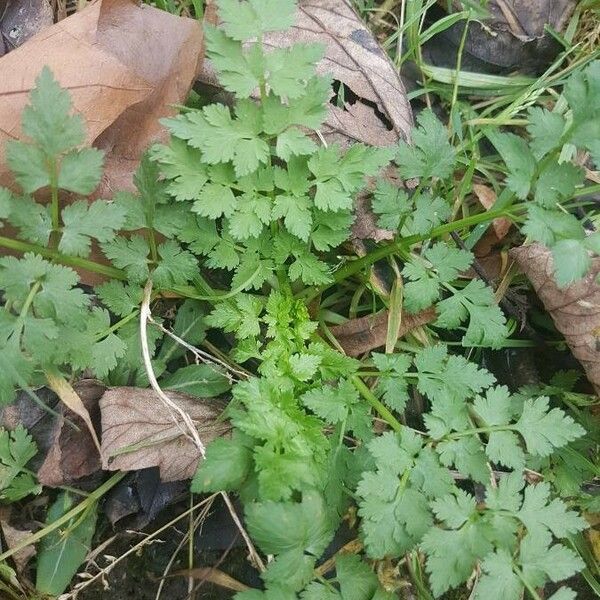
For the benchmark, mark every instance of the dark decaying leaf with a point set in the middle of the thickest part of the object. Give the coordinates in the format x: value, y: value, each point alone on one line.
x: 142, y: 495
x: 575, y: 309
x: 358, y: 336
x: 138, y: 431
x: 72, y: 453
x: 513, y: 37
x: 21, y: 20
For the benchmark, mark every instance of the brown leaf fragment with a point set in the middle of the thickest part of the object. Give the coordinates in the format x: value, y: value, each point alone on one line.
x: 213, y: 575
x: 361, y: 335
x: 575, y: 309
x: 73, y: 453
x: 125, y: 65
x: 139, y: 431
x: 12, y: 537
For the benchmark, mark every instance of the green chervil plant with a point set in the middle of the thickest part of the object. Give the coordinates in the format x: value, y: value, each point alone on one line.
x: 246, y: 192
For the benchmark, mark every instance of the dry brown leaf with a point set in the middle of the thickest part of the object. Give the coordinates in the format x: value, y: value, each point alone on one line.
x: 575, y: 309
x: 215, y: 576
x: 138, y: 431
x: 12, y: 537
x: 487, y: 197
x: 73, y: 454
x: 376, y: 111
x: 69, y: 397
x: 358, y: 336
x: 125, y: 65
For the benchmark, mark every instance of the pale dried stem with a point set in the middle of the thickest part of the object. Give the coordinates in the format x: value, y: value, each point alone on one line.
x: 145, y: 316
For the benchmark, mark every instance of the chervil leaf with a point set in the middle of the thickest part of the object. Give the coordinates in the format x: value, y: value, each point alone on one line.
x: 309, y: 269
x: 83, y: 222
x: 241, y: 318
x: 227, y: 464
x: 182, y: 164
x: 544, y: 430
x: 545, y: 129
x: 16, y: 449
x: 571, y: 261
x: 81, y: 170
x: 293, y: 142
x: 499, y: 581
x: 431, y: 155
x: 441, y: 375
x: 297, y: 214
x: 537, y: 513
x: 467, y: 455
x: 423, y: 288
x: 32, y: 219
x: 121, y: 299
x: 47, y: 121
x: 253, y: 212
x: 429, y: 213
x: 289, y: 68
x: 519, y: 160
x: 215, y: 200
x: 391, y: 203
x: 282, y: 526
x: 130, y: 255
x: 557, y: 182
x: 176, y: 266
x: 28, y: 164
x: 246, y: 20
x: 392, y: 383
x: 487, y: 324
x: 541, y: 561
x: 357, y: 581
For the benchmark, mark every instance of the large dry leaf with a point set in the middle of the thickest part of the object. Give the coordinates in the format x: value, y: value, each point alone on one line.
x: 139, y: 431
x: 575, y: 309
x: 376, y: 109
x: 72, y: 453
x: 358, y: 336
x: 125, y: 65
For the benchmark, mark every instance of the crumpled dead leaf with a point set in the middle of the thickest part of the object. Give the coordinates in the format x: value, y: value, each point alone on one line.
x: 575, y: 309
x: 138, y: 431
x: 376, y: 110
x: 125, y: 65
x: 72, y: 453
x: 358, y: 336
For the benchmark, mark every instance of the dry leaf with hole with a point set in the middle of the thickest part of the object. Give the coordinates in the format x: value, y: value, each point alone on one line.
x: 125, y: 64
x: 374, y: 107
x: 575, y: 309
x: 22, y: 19
x: 139, y: 431
x: 73, y: 453
x: 358, y: 336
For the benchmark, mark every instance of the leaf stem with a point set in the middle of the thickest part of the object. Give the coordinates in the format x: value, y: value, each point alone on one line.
x: 370, y: 397
x: 75, y: 511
